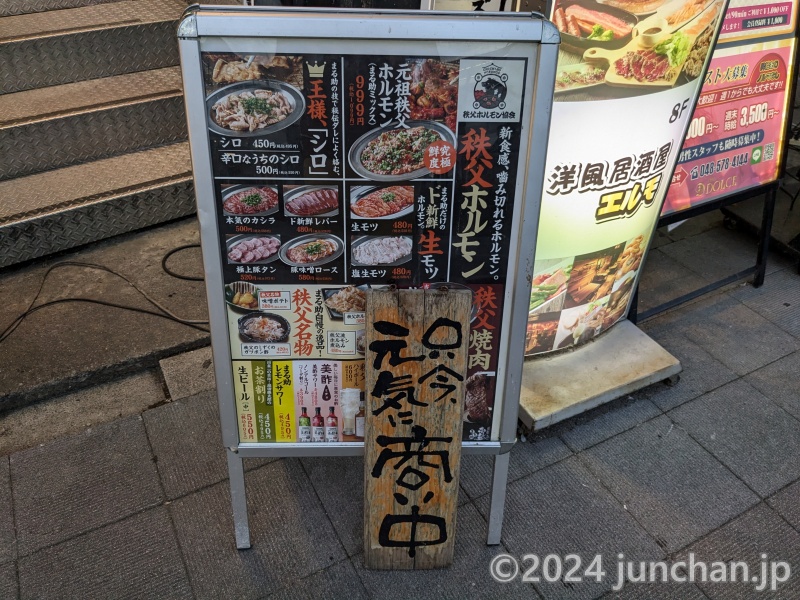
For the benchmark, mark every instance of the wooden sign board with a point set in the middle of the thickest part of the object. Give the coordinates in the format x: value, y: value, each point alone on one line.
x: 416, y: 362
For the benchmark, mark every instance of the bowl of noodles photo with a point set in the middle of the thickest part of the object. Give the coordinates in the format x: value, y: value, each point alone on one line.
x: 254, y: 108
x: 264, y: 328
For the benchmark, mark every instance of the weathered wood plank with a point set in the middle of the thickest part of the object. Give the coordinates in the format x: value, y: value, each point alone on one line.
x: 416, y: 364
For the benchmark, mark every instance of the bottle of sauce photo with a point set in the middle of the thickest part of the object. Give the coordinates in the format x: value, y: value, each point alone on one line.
x: 361, y: 417
x: 317, y: 426
x: 331, y: 426
x: 304, y: 429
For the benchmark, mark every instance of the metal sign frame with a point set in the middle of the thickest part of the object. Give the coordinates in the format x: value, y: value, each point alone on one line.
x: 336, y: 26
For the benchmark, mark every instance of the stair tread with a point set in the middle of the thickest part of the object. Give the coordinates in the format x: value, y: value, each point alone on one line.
x: 99, y: 16
x: 27, y: 196
x: 24, y: 7
x: 28, y: 106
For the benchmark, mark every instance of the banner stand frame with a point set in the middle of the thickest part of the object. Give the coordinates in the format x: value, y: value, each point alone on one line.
x: 227, y: 21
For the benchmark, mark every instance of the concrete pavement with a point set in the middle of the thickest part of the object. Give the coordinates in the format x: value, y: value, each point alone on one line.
x: 119, y: 490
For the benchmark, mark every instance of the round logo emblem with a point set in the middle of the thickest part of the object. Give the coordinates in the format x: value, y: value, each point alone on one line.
x: 490, y: 91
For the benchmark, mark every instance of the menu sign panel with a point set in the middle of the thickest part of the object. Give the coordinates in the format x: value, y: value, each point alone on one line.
x: 736, y: 137
x: 627, y: 78
x: 736, y: 134
x: 336, y: 173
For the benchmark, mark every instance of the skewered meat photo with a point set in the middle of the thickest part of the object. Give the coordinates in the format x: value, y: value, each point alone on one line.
x: 250, y: 201
x: 254, y: 249
x: 593, y: 276
x: 631, y: 257
x: 309, y: 202
x: 384, y: 202
x: 541, y: 332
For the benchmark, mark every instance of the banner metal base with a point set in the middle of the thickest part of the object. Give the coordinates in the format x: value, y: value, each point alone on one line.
x: 621, y: 361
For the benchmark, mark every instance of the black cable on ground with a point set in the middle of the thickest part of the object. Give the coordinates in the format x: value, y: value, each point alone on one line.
x: 177, y: 275
x: 164, y: 312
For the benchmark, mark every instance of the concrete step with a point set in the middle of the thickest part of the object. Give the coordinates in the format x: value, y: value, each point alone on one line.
x: 63, y: 125
x: 69, y: 346
x: 76, y: 44
x: 64, y: 208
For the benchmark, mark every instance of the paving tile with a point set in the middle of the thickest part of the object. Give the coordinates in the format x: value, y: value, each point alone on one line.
x: 338, y: 581
x: 656, y: 591
x: 468, y: 577
x: 135, y: 558
x: 695, y: 226
x: 673, y: 321
x: 716, y: 253
x: 787, y: 503
x: 701, y: 373
x: 758, y: 531
x: 739, y: 337
x: 660, y: 238
x: 291, y: 535
x: 674, y: 488
x: 41, y: 422
x: 189, y: 373
x: 74, y: 484
x: 8, y: 542
x: 735, y: 335
x: 606, y: 421
x: 778, y: 381
x: 8, y: 581
x: 526, y: 457
x: 755, y: 438
x: 562, y: 510
x: 665, y: 279
x: 339, y: 484
x: 187, y: 444
x: 777, y: 300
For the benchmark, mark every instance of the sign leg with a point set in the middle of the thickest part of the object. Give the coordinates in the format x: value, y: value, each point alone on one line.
x: 238, y: 500
x: 497, y: 502
x: 766, y: 230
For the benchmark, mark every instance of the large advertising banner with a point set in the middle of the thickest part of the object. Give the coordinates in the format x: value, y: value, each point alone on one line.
x: 336, y: 173
x: 628, y: 75
x: 735, y: 140
x: 735, y: 137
